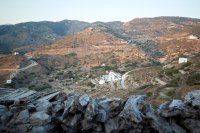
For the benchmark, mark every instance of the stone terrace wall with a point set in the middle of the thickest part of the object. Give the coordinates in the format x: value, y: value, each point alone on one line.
x: 72, y: 113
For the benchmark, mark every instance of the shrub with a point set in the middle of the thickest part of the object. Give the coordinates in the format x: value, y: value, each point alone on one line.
x: 72, y: 54
x: 186, y: 65
x: 40, y: 87
x: 90, y: 84
x: 171, y: 93
x: 114, y: 61
x: 149, y: 94
x: 171, y: 72
x: 193, y: 79
x: 173, y: 83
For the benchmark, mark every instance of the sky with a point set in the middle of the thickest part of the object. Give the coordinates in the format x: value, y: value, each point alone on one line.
x: 17, y: 11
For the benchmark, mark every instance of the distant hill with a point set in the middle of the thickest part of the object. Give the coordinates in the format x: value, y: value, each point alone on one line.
x: 36, y: 33
x: 159, y: 37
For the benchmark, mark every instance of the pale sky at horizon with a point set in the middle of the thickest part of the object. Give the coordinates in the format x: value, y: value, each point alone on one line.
x: 16, y: 11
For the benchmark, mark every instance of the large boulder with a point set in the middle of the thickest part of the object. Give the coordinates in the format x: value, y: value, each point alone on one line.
x: 172, y: 108
x: 49, y: 128
x: 6, y: 117
x: 23, y: 117
x: 91, y: 110
x: 193, y: 98
x: 84, y: 100
x: 108, y: 108
x: 43, y: 105
x: 40, y: 118
x: 67, y: 105
x: 3, y: 110
x: 132, y: 110
x: 193, y: 125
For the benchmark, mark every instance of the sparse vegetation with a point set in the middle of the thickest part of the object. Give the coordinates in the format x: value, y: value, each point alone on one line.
x: 171, y: 72
x: 40, y: 87
x: 72, y: 54
x: 173, y: 82
x: 193, y: 79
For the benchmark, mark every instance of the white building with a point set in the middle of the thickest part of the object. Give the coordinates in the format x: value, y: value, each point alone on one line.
x: 182, y: 60
x: 16, y: 53
x: 192, y: 37
x: 8, y: 81
x: 112, y: 76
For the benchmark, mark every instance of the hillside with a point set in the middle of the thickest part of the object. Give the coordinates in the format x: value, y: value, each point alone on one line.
x: 160, y: 37
x: 143, y: 51
x: 163, y: 37
x: 36, y: 33
x: 93, y: 47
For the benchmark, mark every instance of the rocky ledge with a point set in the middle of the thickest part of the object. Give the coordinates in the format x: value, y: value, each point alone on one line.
x: 73, y: 113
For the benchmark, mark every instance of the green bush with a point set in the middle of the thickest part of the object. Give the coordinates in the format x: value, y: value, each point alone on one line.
x: 90, y: 84
x: 171, y: 93
x: 173, y: 83
x: 72, y: 54
x: 186, y: 65
x: 40, y: 87
x: 149, y: 94
x: 193, y: 79
x: 113, y: 61
x: 171, y: 72
x: 60, y: 73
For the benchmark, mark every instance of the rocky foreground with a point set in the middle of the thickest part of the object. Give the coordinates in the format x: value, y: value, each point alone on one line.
x: 73, y: 113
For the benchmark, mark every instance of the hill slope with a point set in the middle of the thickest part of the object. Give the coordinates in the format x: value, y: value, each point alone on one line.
x: 93, y: 47
x: 36, y: 33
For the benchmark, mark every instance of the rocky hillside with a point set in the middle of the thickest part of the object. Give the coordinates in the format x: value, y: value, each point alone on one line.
x: 94, y: 47
x: 153, y: 35
x: 36, y: 33
x: 163, y: 36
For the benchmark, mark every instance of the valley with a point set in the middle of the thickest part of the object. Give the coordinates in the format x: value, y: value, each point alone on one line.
x: 145, y: 52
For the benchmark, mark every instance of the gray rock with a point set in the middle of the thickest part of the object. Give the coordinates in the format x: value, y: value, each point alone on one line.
x: 57, y: 106
x: 192, y: 125
x: 39, y: 129
x: 31, y: 107
x: 62, y: 96
x: 40, y: 118
x: 43, y: 105
x: 160, y: 124
x: 23, y: 117
x: 112, y: 106
x: 49, y: 128
x: 67, y: 104
x: 91, y: 110
x: 6, y: 117
x: 22, y: 128
x: 73, y: 120
x: 17, y: 109
x: 102, y: 115
x: 172, y: 108
x: 193, y: 98
x: 112, y: 125
x: 176, y: 104
x: 3, y: 110
x: 163, y: 106
x: 84, y: 100
x: 132, y: 109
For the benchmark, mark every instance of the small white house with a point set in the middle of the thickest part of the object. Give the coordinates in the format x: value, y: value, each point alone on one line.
x: 8, y: 81
x: 111, y: 76
x: 182, y: 60
x: 16, y: 53
x: 103, y: 64
x: 192, y: 37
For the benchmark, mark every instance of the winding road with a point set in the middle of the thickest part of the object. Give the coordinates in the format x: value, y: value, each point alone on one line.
x: 16, y: 71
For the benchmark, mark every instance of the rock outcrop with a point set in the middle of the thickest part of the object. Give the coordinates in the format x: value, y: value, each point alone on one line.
x: 74, y: 113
